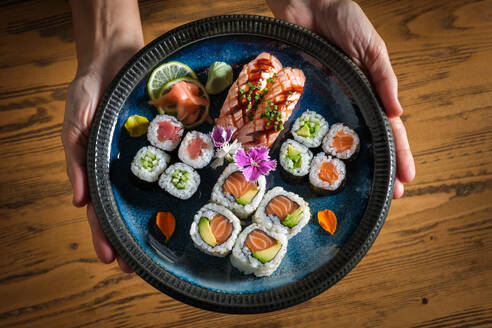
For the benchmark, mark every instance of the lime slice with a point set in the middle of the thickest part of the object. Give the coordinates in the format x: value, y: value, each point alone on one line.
x: 165, y: 73
x: 171, y: 110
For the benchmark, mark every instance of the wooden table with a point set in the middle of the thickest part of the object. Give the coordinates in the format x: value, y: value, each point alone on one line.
x: 431, y: 266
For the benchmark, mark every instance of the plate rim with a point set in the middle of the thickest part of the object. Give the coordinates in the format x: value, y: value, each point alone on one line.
x: 354, y: 249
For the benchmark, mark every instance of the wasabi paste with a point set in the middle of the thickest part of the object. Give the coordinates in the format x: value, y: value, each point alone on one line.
x: 219, y: 77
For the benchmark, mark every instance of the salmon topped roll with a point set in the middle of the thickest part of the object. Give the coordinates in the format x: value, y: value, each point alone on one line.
x: 233, y: 191
x: 283, y: 212
x: 267, y: 122
x: 327, y: 174
x: 258, y: 251
x: 342, y: 142
x: 214, y: 230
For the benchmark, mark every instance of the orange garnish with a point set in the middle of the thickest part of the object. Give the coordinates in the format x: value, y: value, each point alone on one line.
x: 327, y: 220
x: 166, y: 223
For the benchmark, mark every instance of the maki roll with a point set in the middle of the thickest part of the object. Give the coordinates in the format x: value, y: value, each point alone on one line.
x: 309, y: 129
x: 327, y: 174
x: 196, y: 150
x: 341, y: 141
x: 214, y: 230
x: 233, y: 191
x: 149, y: 163
x: 165, y: 132
x: 180, y: 180
x: 258, y: 250
x: 295, y: 159
x: 283, y: 212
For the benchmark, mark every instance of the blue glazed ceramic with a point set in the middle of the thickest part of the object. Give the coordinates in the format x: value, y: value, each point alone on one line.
x: 177, y: 267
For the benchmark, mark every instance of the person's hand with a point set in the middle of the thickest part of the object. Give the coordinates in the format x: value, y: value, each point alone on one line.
x: 105, y: 41
x: 344, y: 23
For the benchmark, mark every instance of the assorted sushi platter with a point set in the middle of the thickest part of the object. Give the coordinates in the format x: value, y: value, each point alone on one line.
x: 244, y: 171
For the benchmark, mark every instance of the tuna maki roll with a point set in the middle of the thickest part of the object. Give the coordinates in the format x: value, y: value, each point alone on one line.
x: 180, y: 180
x: 258, y: 250
x: 295, y: 160
x: 233, y: 191
x: 327, y: 174
x: 214, y: 230
x: 283, y: 212
x: 196, y: 150
x: 149, y: 163
x: 342, y: 142
x: 309, y: 129
x: 165, y: 132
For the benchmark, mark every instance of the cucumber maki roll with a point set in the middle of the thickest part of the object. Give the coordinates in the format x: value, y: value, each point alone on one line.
x: 309, y: 129
x: 327, y: 174
x: 342, y: 142
x: 196, y: 150
x: 233, y: 191
x: 149, y: 163
x: 258, y: 251
x: 283, y: 212
x: 180, y: 180
x: 165, y: 132
x: 295, y: 160
x: 214, y: 230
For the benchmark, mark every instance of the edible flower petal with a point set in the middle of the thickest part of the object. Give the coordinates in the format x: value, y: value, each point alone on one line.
x: 221, y: 135
x: 255, y: 163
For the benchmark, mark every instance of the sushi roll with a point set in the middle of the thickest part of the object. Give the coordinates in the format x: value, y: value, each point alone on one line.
x: 180, y: 180
x: 341, y: 141
x: 283, y: 212
x: 165, y: 132
x: 258, y: 250
x: 233, y: 191
x: 327, y: 174
x: 196, y: 150
x: 149, y: 163
x: 214, y: 230
x: 309, y: 129
x: 295, y: 159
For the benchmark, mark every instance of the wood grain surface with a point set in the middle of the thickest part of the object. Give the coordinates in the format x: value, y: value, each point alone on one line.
x: 431, y: 266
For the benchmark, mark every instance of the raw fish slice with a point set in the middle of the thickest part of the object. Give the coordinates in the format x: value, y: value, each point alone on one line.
x: 167, y: 131
x: 221, y: 228
x: 342, y: 141
x: 281, y: 206
x: 257, y: 241
x: 195, y: 147
x: 237, y: 185
x: 328, y: 172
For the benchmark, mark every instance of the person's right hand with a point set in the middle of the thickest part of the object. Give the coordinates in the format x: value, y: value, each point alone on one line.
x: 107, y: 35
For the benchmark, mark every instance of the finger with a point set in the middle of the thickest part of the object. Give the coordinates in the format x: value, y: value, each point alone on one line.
x: 101, y: 244
x: 398, y: 190
x: 123, y: 266
x: 405, y: 165
x: 75, y: 154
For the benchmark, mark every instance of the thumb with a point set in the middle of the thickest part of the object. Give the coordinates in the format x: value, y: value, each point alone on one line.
x: 74, y: 143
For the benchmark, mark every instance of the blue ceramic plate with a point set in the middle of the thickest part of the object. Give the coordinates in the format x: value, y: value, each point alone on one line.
x: 315, y: 259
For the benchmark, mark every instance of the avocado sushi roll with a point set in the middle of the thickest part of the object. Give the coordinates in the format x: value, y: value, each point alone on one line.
x: 180, y: 180
x: 327, y: 174
x: 234, y: 192
x: 341, y: 141
x: 283, y: 212
x: 149, y: 163
x: 295, y: 160
x: 214, y: 230
x: 196, y: 149
x: 309, y: 129
x: 258, y: 250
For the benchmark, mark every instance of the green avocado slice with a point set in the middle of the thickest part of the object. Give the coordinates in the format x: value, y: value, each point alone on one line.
x: 304, y: 131
x: 293, y: 218
x: 268, y: 254
x: 206, y: 232
x: 247, y: 197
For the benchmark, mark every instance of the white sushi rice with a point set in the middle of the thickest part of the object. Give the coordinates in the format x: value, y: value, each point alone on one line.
x: 158, y: 165
x: 205, y: 155
x: 152, y: 133
x: 288, y: 164
x: 243, y: 260
x: 209, y: 211
x: 314, y: 178
x: 312, y: 118
x: 328, y: 139
x: 191, y: 185
x: 272, y: 222
x: 227, y: 200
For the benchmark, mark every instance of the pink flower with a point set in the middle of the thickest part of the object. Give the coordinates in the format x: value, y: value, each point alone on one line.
x: 221, y: 135
x: 255, y: 163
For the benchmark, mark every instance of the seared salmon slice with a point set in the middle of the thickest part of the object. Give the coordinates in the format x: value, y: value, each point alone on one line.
x: 221, y: 228
x: 281, y: 206
x: 342, y: 141
x: 258, y: 240
x: 237, y: 185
